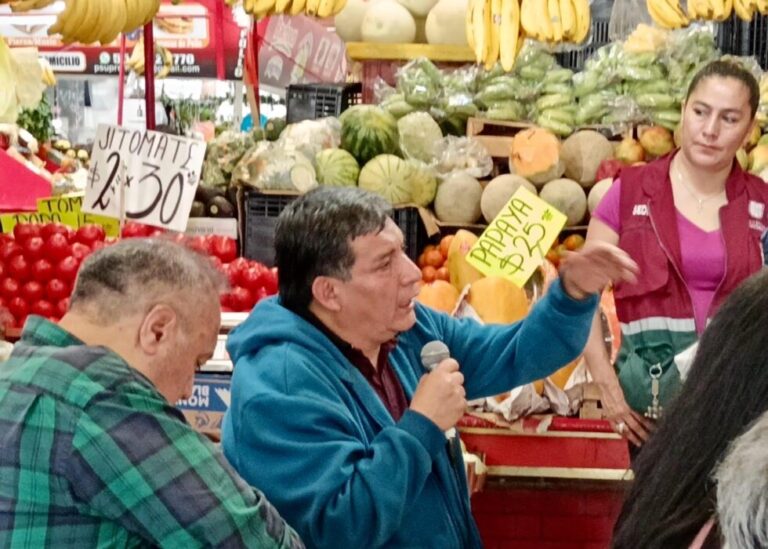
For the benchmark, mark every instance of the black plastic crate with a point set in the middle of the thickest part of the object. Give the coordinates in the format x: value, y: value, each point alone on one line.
x: 576, y: 58
x: 739, y: 37
x: 312, y: 101
x: 260, y: 213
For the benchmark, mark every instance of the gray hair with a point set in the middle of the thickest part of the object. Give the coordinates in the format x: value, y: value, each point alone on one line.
x: 742, y: 489
x: 134, y: 273
x: 314, y: 234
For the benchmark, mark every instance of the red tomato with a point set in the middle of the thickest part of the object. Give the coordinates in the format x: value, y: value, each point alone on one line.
x: 18, y: 268
x: 8, y: 250
x: 18, y: 308
x: 232, y: 274
x: 32, y: 291
x: 226, y: 301
x: 57, y: 247
x: 80, y: 251
x: 90, y: 233
x: 6, y: 238
x: 268, y: 281
x: 56, y: 290
x: 67, y: 268
x: 133, y: 230
x: 33, y: 248
x: 242, y: 299
x: 98, y: 245
x: 9, y: 288
x: 240, y: 264
x: 251, y: 278
x: 49, y: 229
x: 24, y: 231
x: 42, y: 270
x: 224, y: 248
x: 200, y: 244
x: 43, y: 308
x: 62, y: 306
x: 156, y: 233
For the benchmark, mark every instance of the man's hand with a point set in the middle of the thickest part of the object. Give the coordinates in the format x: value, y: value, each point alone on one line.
x: 440, y: 395
x: 594, y: 267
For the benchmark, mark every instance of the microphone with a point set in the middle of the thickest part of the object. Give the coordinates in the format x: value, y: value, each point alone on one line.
x: 432, y: 354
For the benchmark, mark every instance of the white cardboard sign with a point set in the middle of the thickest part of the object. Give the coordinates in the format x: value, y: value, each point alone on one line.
x: 157, y: 173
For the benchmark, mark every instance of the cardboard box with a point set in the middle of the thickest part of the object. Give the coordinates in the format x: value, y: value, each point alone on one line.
x: 205, y: 408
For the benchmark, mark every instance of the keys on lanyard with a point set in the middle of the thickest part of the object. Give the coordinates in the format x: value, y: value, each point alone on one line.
x: 655, y: 409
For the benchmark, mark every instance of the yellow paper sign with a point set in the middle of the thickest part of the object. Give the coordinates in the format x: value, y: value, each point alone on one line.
x: 60, y: 209
x: 516, y: 241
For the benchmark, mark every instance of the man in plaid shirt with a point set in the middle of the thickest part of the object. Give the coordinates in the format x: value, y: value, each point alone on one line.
x: 92, y: 451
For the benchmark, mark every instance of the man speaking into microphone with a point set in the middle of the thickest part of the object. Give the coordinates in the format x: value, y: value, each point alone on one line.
x: 342, y: 395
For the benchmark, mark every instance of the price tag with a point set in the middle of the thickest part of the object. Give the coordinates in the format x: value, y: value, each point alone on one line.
x: 516, y: 241
x: 159, y: 172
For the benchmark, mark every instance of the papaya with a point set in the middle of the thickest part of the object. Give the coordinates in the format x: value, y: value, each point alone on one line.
x: 496, y: 300
x: 535, y: 155
x: 461, y: 272
x: 439, y: 295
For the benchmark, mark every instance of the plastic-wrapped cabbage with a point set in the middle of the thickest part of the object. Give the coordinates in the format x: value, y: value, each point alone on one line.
x: 420, y: 136
x: 463, y: 154
x: 268, y: 167
x: 311, y: 136
x: 420, y: 82
x: 222, y: 155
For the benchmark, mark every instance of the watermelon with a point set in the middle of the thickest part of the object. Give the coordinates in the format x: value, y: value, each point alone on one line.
x: 389, y: 176
x: 423, y: 183
x: 336, y: 167
x: 368, y: 131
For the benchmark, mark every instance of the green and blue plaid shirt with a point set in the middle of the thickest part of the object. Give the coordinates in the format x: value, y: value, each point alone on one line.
x: 91, y: 455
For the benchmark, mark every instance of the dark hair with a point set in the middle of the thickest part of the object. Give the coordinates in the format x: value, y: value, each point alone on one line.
x: 314, y: 235
x: 135, y: 271
x: 673, y: 493
x: 729, y: 69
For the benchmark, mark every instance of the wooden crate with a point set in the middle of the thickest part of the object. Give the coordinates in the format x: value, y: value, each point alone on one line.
x: 591, y: 407
x: 495, y: 135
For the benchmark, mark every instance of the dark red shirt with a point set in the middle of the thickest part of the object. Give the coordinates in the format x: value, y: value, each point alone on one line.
x: 382, y: 378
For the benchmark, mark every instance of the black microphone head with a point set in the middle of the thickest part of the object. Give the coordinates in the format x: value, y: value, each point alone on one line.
x: 433, y: 353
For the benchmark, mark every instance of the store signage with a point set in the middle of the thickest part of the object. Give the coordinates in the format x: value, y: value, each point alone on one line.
x: 143, y: 175
x: 204, y: 39
x: 298, y: 49
x: 61, y: 209
x: 516, y: 241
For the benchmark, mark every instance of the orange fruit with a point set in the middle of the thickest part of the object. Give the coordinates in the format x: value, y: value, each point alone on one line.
x: 428, y: 274
x: 445, y: 244
x: 422, y: 261
x: 443, y: 274
x: 573, y: 242
x: 434, y: 258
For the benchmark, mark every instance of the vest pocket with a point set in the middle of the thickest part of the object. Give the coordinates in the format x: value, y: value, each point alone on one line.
x: 641, y: 244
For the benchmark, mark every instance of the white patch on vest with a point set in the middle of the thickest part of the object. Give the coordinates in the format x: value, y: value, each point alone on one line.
x: 756, y: 209
x: 684, y: 360
x: 640, y: 209
x: 756, y: 225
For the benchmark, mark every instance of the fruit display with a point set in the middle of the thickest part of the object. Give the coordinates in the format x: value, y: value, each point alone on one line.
x: 259, y: 9
x: 558, y: 252
x: 89, y: 21
x: 535, y: 155
x: 22, y: 80
x: 498, y: 191
x: 434, y: 265
x: 163, y: 60
x: 668, y: 14
x: 458, y: 199
x: 368, y: 131
x: 39, y: 264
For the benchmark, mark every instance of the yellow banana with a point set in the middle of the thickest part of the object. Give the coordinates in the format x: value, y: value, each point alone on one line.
x: 325, y: 8
x: 469, y: 28
x: 567, y: 19
x: 728, y: 8
x: 297, y: 7
x: 281, y: 6
x: 509, y: 33
x: 744, y: 9
x: 309, y: 9
x: 494, y: 34
x: 115, y: 22
x: 479, y: 10
x: 583, y: 20
x: 762, y: 6
x: 529, y: 19
x: 545, y: 21
x: 718, y: 9
x: 553, y: 9
x: 338, y: 6
x: 667, y: 14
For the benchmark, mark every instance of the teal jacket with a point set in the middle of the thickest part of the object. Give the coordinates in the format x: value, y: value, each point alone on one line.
x: 307, y: 429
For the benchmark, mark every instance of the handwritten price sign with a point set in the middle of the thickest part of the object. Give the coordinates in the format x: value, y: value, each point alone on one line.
x: 516, y: 241
x: 159, y: 172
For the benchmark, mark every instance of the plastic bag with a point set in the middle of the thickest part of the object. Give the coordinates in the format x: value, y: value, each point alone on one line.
x: 626, y: 16
x: 311, y: 136
x: 458, y: 92
x: 268, y: 167
x: 463, y: 154
x: 420, y: 82
x: 222, y: 155
x: 381, y: 90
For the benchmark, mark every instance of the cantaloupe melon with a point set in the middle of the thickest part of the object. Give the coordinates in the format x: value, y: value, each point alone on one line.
x: 461, y: 272
x: 535, y: 155
x: 597, y: 192
x: 388, y: 22
x: 446, y: 23
x: 458, y: 199
x: 498, y: 192
x: 349, y: 21
x: 582, y: 154
x: 567, y: 196
x: 496, y: 300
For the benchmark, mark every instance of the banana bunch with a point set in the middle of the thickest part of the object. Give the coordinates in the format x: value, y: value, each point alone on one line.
x: 762, y: 111
x: 746, y: 9
x: 28, y: 5
x: 556, y: 21
x: 137, y: 64
x: 49, y: 79
x: 493, y: 31
x: 89, y: 21
x: 713, y: 10
x: 668, y: 14
x: 260, y: 9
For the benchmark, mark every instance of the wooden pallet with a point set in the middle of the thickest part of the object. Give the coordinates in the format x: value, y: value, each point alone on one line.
x: 495, y: 135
